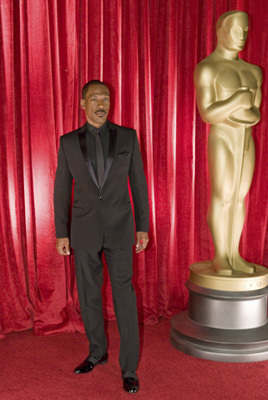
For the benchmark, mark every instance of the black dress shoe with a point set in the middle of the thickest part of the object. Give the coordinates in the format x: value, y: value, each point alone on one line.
x: 90, y: 363
x: 130, y: 382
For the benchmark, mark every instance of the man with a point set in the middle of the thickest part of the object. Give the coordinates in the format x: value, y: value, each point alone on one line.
x: 101, y: 157
x: 228, y: 97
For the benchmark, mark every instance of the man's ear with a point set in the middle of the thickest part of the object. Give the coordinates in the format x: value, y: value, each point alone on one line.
x: 82, y: 103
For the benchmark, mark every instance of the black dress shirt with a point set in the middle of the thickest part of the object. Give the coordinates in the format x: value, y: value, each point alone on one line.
x: 90, y: 139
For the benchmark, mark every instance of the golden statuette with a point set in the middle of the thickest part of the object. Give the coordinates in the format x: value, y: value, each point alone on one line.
x: 228, y: 91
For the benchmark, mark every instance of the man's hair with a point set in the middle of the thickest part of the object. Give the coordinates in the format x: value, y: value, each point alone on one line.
x: 90, y: 83
x: 226, y: 15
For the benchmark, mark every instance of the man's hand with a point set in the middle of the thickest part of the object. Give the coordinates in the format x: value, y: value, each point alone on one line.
x: 63, y: 246
x: 142, y: 241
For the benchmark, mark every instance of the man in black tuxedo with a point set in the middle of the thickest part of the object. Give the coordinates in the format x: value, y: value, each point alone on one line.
x: 101, y: 158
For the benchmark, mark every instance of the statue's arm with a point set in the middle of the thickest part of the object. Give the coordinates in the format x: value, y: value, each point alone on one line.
x: 255, y: 108
x: 211, y: 110
x: 258, y: 75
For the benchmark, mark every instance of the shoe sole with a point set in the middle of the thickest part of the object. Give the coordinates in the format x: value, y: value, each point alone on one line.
x: 131, y: 392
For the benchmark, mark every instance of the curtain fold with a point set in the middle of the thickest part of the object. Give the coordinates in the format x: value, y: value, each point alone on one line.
x: 146, y: 52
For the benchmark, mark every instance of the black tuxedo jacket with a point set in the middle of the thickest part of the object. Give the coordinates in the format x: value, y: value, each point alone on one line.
x: 100, y: 213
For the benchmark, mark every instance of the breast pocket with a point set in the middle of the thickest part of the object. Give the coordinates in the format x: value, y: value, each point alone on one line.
x: 123, y: 155
x: 122, y: 161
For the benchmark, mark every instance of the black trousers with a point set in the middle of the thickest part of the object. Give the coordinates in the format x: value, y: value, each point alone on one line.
x: 89, y: 276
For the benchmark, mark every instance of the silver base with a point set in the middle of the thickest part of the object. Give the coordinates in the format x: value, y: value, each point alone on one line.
x: 223, y: 326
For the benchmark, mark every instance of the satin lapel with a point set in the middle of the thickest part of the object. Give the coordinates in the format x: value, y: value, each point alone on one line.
x: 113, y: 136
x: 83, y: 145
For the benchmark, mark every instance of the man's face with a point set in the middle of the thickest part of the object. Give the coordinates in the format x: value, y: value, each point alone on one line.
x: 235, y: 32
x: 96, y: 105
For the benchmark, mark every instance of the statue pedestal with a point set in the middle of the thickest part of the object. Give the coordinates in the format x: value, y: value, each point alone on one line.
x: 224, y: 325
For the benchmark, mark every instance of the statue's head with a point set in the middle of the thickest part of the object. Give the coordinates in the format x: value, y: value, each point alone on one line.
x: 232, y: 30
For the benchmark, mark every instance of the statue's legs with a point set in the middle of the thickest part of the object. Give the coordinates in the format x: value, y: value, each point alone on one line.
x: 221, y: 173
x: 246, y: 175
x: 231, y: 156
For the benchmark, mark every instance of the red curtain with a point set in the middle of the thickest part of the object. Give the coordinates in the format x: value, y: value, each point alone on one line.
x: 146, y: 51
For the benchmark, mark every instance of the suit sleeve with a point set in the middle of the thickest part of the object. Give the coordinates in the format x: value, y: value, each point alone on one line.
x: 62, y: 194
x: 139, y: 189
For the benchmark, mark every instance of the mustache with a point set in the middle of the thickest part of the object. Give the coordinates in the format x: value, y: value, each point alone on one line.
x: 100, y: 110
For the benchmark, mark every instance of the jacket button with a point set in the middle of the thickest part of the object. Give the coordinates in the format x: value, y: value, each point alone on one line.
x: 100, y: 197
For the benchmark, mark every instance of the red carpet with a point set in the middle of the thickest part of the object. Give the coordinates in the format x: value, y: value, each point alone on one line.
x: 41, y: 368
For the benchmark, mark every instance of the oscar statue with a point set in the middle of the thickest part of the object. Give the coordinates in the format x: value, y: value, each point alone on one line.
x: 227, y: 317
x: 228, y: 91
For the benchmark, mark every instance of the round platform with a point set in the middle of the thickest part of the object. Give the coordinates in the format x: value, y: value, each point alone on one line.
x: 202, y: 274
x: 227, y: 310
x: 245, y: 345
